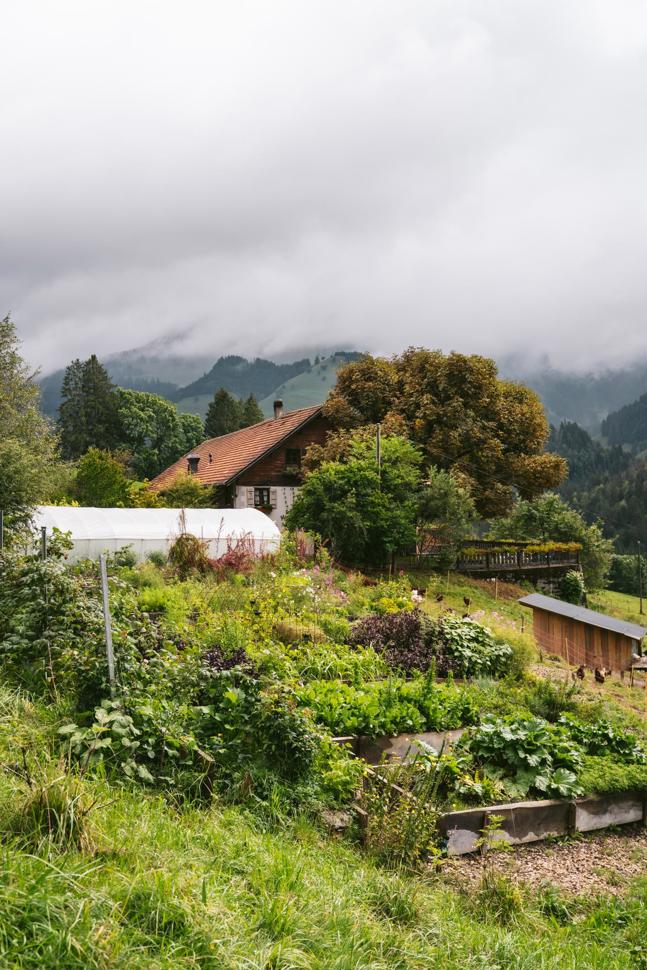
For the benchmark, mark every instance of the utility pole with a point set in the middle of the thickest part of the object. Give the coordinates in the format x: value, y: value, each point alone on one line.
x: 640, y: 577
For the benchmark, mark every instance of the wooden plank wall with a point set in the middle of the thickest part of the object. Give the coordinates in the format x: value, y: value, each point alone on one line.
x: 580, y: 643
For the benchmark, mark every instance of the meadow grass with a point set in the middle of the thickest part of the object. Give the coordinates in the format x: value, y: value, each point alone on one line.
x: 154, y: 885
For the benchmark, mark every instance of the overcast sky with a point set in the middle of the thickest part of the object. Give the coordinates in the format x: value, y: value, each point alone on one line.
x: 467, y: 174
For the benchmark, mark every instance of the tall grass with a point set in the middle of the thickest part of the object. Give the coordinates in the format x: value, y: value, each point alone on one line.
x: 223, y: 888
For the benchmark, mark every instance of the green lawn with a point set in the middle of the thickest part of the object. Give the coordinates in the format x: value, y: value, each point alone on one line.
x: 622, y: 605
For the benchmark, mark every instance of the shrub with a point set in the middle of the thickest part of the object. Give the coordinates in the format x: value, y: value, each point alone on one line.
x: 239, y: 557
x: 188, y: 555
x: 404, y: 638
x: 473, y: 650
x: 411, y: 641
x: 157, y: 558
x: 124, y: 557
x: 572, y: 588
x: 550, y: 699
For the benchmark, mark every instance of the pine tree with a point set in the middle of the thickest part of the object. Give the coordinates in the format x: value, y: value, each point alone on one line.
x: 88, y: 414
x: 251, y: 412
x: 70, y: 424
x: 224, y: 414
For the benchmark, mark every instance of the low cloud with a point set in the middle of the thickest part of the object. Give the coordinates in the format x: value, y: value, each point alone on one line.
x: 374, y: 174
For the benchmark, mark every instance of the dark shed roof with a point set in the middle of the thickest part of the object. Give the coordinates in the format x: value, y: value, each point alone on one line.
x: 538, y: 602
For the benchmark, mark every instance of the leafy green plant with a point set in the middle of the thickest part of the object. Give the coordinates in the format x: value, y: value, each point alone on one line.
x: 112, y: 738
x: 602, y: 739
x: 473, y: 649
x: 388, y: 708
x: 530, y: 754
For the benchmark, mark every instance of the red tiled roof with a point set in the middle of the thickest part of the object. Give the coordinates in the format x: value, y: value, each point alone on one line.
x: 232, y: 453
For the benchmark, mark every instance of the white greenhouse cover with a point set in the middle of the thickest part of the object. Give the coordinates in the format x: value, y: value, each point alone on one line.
x: 94, y: 531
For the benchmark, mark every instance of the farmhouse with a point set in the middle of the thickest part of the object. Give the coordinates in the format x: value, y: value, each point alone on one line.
x: 583, y: 636
x: 257, y: 467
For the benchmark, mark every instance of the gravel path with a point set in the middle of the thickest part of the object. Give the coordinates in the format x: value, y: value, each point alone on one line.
x: 604, y: 863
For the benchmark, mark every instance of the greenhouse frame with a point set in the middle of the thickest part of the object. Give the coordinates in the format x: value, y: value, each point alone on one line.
x: 143, y: 531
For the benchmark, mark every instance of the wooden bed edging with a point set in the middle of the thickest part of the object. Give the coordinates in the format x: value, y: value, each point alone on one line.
x: 533, y: 821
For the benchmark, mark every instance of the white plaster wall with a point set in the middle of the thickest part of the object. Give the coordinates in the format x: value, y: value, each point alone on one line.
x: 285, y: 495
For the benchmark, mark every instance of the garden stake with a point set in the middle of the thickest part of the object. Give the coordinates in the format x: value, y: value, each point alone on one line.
x: 106, y: 619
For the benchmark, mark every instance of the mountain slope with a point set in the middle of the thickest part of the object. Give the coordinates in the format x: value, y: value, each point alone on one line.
x: 311, y: 386
x: 240, y: 377
x: 628, y: 425
x: 584, y: 398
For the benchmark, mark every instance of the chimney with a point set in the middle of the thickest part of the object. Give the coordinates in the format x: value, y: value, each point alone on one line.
x: 192, y: 463
x: 278, y: 409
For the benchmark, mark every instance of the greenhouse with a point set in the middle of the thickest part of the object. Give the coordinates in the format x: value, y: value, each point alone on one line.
x: 143, y: 531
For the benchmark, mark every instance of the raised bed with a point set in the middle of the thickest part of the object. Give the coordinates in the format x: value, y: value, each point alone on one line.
x: 524, y: 822
x: 373, y: 750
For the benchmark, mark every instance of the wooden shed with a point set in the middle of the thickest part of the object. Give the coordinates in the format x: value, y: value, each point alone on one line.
x: 583, y: 636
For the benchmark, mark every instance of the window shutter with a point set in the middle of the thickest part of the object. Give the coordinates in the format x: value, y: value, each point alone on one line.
x: 273, y: 498
x: 250, y: 497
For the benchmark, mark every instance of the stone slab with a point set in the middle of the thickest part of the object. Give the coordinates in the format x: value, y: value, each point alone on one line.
x: 601, y: 812
x: 374, y: 749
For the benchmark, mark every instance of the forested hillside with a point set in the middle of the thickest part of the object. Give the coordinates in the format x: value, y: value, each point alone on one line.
x: 628, y: 425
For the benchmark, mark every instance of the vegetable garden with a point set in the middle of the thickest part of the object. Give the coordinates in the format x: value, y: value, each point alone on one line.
x: 238, y: 682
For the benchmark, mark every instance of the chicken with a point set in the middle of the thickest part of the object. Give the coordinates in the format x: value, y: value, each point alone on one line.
x: 467, y: 601
x: 439, y: 597
x: 581, y: 670
x: 599, y: 675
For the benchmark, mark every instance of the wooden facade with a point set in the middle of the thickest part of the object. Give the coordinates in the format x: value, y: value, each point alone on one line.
x: 277, y: 467
x: 580, y: 643
x: 583, y: 637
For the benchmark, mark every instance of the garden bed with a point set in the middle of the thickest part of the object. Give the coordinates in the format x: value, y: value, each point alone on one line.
x: 533, y: 821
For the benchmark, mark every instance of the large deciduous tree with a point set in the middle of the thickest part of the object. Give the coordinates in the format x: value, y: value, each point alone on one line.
x: 101, y: 480
x: 363, y: 514
x: 153, y: 432
x: 30, y: 468
x: 463, y: 416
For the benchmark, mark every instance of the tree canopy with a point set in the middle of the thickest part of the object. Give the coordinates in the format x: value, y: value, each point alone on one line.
x: 363, y: 515
x: 226, y: 414
x: 88, y: 413
x: 550, y: 519
x: 94, y: 413
x: 101, y: 480
x: 153, y: 432
x: 30, y: 469
x: 465, y: 419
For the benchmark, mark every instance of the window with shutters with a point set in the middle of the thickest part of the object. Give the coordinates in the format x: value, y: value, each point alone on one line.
x: 262, y: 498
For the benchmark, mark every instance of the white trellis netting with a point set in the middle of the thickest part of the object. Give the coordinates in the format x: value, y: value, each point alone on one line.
x: 94, y: 531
